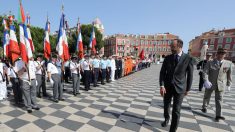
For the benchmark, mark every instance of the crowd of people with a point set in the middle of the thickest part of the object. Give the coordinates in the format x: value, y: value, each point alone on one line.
x: 28, y: 81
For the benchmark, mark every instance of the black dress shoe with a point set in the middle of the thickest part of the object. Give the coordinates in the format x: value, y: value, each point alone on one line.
x: 75, y: 94
x: 62, y: 99
x: 165, y: 123
x: 45, y: 95
x: 217, y: 118
x: 78, y: 93
x: 204, y: 110
x: 39, y: 96
x: 55, y: 100
x: 36, y: 108
x: 29, y: 111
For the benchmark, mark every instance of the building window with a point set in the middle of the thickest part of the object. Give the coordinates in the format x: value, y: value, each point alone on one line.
x: 219, y: 46
x: 211, y: 47
x: 227, y: 46
x: 233, y: 54
x: 212, y: 41
x: 228, y: 40
x: 220, y: 41
x: 234, y: 47
x: 146, y: 42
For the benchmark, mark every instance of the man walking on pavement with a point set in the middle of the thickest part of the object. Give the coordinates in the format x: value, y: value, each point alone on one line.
x: 200, y: 67
x: 176, y: 78
x: 217, y: 76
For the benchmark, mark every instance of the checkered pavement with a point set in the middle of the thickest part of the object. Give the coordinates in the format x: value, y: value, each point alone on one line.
x: 132, y: 103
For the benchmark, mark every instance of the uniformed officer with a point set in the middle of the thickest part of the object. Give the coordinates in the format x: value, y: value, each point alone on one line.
x: 75, y: 70
x: 40, y: 76
x: 55, y: 79
x: 103, y: 67
x: 96, y: 69
x: 13, y: 77
x: 28, y: 83
x: 200, y: 67
x: 108, y: 75
x: 86, y: 70
x: 217, y: 76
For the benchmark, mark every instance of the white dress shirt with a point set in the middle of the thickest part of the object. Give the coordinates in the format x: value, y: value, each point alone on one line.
x: 32, y: 70
x: 74, y: 66
x: 51, y: 68
x: 18, y: 66
x: 86, y: 65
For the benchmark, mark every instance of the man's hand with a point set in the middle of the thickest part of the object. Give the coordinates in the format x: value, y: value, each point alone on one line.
x: 207, y: 84
x: 186, y: 93
x: 162, y: 91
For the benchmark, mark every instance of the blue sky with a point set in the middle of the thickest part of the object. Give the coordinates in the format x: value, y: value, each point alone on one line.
x: 185, y: 18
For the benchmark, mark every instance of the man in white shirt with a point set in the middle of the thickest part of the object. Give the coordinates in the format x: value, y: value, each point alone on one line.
x: 55, y: 79
x: 96, y: 69
x: 27, y: 78
x: 75, y: 70
x: 113, y: 68
x: 40, y: 76
x: 13, y: 77
x: 86, y: 70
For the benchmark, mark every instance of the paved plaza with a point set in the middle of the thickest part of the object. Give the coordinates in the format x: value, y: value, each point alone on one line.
x: 132, y: 103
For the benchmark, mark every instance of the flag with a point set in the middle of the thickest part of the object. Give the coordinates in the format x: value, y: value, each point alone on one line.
x: 14, y: 50
x: 29, y: 34
x: 79, y: 46
x: 93, y: 41
x: 47, y: 46
x: 6, y: 39
x: 62, y: 43
x: 25, y: 48
x: 21, y: 16
x: 141, y: 56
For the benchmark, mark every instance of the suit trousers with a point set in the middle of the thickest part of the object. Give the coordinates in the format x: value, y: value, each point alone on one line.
x: 76, y: 82
x: 177, y: 102
x: 96, y: 75
x: 87, y: 79
x: 218, y: 99
x: 201, y: 81
x: 57, y: 87
x: 41, y: 84
x: 29, y: 94
x: 103, y: 75
x: 108, y: 75
x: 16, y: 90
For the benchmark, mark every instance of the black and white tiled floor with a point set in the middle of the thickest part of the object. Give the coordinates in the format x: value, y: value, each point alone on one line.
x: 130, y: 104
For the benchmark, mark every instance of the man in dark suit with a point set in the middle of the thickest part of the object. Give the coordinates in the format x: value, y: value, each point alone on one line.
x: 176, y: 77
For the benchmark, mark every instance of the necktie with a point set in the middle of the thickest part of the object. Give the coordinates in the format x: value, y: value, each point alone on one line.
x: 176, y: 59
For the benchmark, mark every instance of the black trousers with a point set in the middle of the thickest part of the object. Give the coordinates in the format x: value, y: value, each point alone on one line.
x: 103, y: 75
x: 96, y: 75
x: 116, y: 74
x: 201, y: 81
x: 177, y: 102
x: 108, y: 74
x: 87, y: 79
x: 120, y: 73
x: 16, y: 90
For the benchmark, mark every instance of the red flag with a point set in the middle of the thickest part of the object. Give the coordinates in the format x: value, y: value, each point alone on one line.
x: 141, y: 56
x: 47, y: 46
x: 14, y: 50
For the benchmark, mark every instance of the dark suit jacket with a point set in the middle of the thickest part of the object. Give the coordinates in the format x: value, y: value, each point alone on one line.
x: 178, y: 76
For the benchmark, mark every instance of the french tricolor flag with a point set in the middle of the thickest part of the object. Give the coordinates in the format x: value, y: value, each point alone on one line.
x: 62, y: 43
x: 93, y: 41
x: 79, y: 42
x: 25, y: 48
x: 14, y: 50
x: 29, y: 33
x: 47, y: 46
x: 6, y: 39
